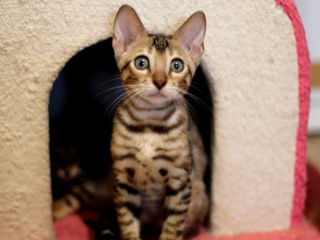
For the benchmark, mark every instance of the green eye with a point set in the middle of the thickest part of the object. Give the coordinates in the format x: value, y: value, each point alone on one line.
x: 141, y: 63
x: 177, y: 65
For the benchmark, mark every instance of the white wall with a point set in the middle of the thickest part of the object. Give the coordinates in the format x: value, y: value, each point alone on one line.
x: 310, y: 14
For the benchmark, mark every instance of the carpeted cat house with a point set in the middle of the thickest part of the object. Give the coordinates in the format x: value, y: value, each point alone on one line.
x: 256, y: 61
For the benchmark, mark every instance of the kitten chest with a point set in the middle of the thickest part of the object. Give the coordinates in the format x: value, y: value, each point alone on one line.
x: 151, y: 160
x: 151, y: 155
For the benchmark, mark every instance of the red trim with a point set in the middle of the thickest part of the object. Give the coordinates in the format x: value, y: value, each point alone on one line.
x: 304, y: 101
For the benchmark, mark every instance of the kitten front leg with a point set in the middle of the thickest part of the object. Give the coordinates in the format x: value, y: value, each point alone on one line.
x: 198, y: 208
x: 80, y: 195
x: 127, y: 204
x: 65, y: 206
x: 176, y: 209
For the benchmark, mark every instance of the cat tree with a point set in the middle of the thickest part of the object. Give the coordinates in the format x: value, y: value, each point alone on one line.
x: 256, y: 60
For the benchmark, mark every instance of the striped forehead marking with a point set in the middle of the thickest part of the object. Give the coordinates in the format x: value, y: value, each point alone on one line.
x: 160, y: 42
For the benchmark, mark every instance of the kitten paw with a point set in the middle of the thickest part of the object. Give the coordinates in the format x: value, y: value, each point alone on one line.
x: 107, y: 235
x: 64, y: 206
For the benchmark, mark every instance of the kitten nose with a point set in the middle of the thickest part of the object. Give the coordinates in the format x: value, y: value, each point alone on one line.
x: 159, y: 79
x: 159, y: 83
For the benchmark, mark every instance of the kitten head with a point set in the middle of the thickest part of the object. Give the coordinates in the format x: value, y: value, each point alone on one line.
x: 157, y: 68
x: 65, y: 162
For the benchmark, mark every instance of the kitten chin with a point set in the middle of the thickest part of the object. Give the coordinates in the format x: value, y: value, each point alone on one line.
x: 160, y: 97
x: 157, y: 98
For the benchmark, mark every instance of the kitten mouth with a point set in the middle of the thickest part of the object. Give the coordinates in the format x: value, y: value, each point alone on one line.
x: 157, y: 95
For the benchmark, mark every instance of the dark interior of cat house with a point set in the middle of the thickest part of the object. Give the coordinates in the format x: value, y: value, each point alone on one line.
x: 83, y: 100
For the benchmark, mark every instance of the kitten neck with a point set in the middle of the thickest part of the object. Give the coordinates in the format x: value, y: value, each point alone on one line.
x: 141, y: 111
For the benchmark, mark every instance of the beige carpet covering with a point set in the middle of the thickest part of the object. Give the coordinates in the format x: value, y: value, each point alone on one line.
x: 250, y: 58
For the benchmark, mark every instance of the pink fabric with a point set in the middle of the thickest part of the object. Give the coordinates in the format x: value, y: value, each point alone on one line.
x: 304, y: 101
x: 304, y: 231
x: 72, y: 228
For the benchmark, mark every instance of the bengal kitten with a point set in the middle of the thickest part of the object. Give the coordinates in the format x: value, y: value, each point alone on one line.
x: 72, y: 188
x: 81, y: 107
x: 66, y: 173
x: 158, y: 157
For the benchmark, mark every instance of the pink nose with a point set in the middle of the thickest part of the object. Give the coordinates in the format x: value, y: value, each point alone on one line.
x: 159, y: 83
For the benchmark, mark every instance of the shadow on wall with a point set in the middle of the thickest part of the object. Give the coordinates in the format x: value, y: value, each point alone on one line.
x: 82, y: 103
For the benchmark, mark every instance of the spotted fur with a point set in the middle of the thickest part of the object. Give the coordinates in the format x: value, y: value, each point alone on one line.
x: 158, y: 177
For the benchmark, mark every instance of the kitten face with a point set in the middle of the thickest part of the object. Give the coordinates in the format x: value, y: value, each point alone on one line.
x: 66, y: 163
x: 157, y: 68
x: 157, y: 73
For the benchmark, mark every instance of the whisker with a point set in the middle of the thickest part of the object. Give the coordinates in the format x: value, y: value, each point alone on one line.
x: 190, y: 111
x: 195, y: 98
x: 113, y: 104
x: 108, y: 80
x: 108, y: 90
x: 200, y: 101
x: 200, y: 93
x: 133, y: 94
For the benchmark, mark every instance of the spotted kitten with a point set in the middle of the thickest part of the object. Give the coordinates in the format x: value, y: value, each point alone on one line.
x: 72, y: 189
x: 158, y: 156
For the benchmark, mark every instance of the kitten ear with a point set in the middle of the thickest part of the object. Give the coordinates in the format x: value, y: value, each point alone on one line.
x: 191, y: 35
x: 127, y: 29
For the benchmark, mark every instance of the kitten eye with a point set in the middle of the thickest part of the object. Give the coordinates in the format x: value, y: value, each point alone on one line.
x: 141, y: 63
x: 177, y: 65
